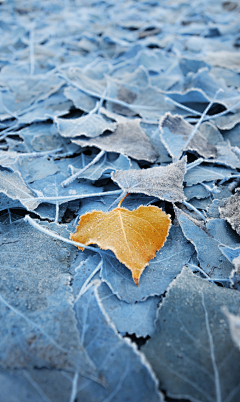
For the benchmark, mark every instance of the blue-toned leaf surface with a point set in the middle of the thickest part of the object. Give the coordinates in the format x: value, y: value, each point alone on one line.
x: 50, y: 189
x: 106, y: 164
x: 176, y: 136
x: 91, y: 125
x: 132, y: 318
x: 33, y: 287
x: 12, y: 185
x: 191, y: 351
x: 131, y: 378
x: 206, y: 241
x: 205, y: 173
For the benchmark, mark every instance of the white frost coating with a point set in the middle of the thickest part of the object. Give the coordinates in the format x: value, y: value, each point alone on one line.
x: 164, y: 182
x: 234, y: 324
x: 86, y: 283
x: 142, y: 357
x: 69, y: 197
x: 52, y: 234
x: 70, y: 179
x: 33, y: 324
x: 202, y: 117
x: 74, y: 387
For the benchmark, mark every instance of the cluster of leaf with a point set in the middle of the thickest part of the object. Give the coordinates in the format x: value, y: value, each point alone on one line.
x: 99, y: 99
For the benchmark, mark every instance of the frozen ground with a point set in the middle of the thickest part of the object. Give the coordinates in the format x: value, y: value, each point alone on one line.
x: 97, y: 99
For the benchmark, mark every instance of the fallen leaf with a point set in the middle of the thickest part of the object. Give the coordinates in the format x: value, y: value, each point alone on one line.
x: 133, y: 236
x: 191, y: 350
x: 176, y: 136
x: 128, y: 139
x: 164, y: 182
x: 230, y: 210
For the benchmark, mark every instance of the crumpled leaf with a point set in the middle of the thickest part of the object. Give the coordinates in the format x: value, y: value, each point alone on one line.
x: 230, y: 210
x: 133, y: 236
x: 155, y: 279
x: 128, y: 139
x: 91, y: 125
x: 164, y: 182
x: 175, y: 134
x: 191, y: 351
x: 15, y: 188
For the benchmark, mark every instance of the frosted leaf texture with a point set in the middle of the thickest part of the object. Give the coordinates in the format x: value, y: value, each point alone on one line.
x: 131, y: 378
x: 97, y: 99
x: 32, y: 291
x: 91, y: 125
x: 191, y: 351
x: 206, y: 240
x: 230, y: 210
x: 176, y: 133
x: 165, y: 183
x: 12, y: 185
x: 204, y: 173
x: 128, y: 139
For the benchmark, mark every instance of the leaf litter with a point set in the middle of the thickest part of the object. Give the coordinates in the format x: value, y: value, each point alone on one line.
x: 147, y: 103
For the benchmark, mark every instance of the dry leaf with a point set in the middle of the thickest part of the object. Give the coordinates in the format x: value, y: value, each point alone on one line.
x: 133, y: 236
x: 128, y: 139
x: 164, y: 182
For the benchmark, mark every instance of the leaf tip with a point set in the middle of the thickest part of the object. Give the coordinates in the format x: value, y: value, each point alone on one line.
x: 136, y: 280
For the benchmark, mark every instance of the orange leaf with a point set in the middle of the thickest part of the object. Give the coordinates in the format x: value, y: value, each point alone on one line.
x: 134, y: 236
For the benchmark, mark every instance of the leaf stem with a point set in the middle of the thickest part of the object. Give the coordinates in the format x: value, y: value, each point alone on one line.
x: 70, y: 179
x: 120, y: 202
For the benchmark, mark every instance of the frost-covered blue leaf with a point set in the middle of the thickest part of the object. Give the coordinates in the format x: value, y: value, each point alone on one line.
x: 206, y: 241
x: 176, y: 135
x: 50, y: 189
x: 107, y: 163
x: 33, y: 287
x: 12, y: 185
x: 230, y: 210
x: 132, y: 378
x: 191, y: 351
x: 132, y: 318
x: 80, y: 99
x: 90, y: 125
x: 207, y: 173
